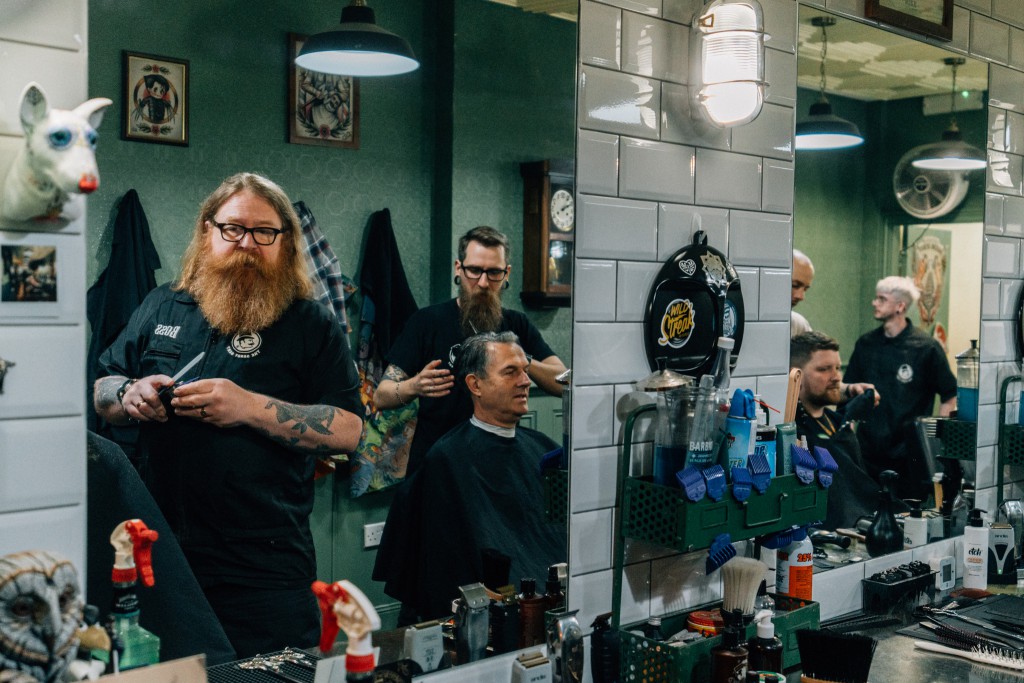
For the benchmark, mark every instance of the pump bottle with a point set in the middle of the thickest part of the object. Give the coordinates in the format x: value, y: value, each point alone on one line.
x: 132, y: 541
x: 764, y: 651
x: 915, y: 526
x: 976, y: 551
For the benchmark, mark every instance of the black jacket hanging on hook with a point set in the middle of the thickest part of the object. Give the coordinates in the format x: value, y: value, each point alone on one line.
x: 121, y: 287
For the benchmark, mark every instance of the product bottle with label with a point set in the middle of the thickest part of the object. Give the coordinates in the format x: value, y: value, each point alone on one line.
x: 915, y: 526
x: 702, y: 449
x: 976, y: 551
x: 729, y: 660
x: 794, y: 569
x: 723, y: 378
x: 765, y: 439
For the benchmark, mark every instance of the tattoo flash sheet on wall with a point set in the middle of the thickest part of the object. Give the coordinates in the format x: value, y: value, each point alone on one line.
x: 323, y: 109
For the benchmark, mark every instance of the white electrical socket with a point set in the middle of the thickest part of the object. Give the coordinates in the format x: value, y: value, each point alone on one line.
x: 372, y: 534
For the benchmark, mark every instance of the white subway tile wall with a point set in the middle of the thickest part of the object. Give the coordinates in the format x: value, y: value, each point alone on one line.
x: 742, y: 198
x: 656, y: 170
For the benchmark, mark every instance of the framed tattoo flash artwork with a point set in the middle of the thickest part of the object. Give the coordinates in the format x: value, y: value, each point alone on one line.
x: 155, y: 104
x: 323, y: 109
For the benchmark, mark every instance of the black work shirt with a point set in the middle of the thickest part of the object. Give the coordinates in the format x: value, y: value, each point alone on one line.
x: 908, y: 370
x: 435, y: 333
x: 238, y: 501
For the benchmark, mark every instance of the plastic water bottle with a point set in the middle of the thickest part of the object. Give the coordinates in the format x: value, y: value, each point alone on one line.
x: 967, y: 365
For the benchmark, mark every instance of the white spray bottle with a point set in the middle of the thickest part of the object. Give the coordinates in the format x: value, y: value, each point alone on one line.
x: 133, y: 542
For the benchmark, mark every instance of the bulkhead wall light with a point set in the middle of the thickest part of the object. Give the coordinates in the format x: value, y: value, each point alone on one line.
x: 727, y: 62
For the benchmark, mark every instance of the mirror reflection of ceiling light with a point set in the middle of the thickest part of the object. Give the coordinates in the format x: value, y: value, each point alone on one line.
x: 727, y: 61
x: 357, y: 48
x: 822, y: 129
x: 952, y: 153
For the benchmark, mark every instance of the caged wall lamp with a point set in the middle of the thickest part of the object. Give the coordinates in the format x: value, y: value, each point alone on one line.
x: 727, y: 62
x: 357, y: 48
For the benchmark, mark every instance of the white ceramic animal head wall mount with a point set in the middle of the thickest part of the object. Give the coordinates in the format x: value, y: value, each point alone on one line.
x: 58, y: 158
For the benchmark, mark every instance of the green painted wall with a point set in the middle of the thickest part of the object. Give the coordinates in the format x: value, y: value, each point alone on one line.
x: 511, y: 104
x: 407, y: 160
x: 845, y: 211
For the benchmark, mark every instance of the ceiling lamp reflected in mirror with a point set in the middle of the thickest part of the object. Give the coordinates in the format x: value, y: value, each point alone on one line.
x: 822, y: 129
x: 357, y: 48
x: 727, y: 61
x: 952, y: 153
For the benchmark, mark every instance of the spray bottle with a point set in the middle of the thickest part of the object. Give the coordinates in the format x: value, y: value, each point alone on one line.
x: 132, y: 542
x: 344, y: 607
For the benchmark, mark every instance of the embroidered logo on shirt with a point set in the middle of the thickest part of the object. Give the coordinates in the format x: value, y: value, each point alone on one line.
x: 245, y: 345
x: 168, y: 331
x: 453, y: 355
x: 905, y: 374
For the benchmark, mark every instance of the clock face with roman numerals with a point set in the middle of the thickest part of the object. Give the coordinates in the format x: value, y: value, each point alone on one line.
x: 563, y: 210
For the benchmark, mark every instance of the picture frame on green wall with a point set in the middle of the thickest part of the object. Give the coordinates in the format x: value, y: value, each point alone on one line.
x: 155, y: 104
x: 926, y: 17
x: 323, y: 109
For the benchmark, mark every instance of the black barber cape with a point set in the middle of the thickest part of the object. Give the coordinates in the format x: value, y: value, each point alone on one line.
x: 853, y: 492
x: 475, y: 491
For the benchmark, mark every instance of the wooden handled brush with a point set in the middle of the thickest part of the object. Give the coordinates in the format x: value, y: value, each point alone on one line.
x: 792, y: 395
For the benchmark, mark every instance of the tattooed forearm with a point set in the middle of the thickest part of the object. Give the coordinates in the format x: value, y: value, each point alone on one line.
x: 317, y: 418
x: 395, y: 374
x: 294, y: 445
x: 105, y: 394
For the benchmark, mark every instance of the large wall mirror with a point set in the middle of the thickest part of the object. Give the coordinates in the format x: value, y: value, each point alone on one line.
x: 441, y: 148
x: 864, y: 213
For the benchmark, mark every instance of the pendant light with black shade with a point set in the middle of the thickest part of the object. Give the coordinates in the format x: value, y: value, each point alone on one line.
x: 951, y: 153
x: 357, y: 48
x: 822, y: 129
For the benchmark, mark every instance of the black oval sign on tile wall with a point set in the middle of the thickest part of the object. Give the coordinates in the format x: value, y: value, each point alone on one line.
x: 695, y: 299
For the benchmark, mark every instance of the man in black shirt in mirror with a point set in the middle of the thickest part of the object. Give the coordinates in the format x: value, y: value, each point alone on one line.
x: 854, y: 492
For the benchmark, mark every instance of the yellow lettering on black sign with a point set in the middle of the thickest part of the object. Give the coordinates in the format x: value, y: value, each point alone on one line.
x: 676, y: 323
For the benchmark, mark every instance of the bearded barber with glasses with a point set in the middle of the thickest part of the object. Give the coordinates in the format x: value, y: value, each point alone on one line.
x: 422, y: 358
x: 230, y: 448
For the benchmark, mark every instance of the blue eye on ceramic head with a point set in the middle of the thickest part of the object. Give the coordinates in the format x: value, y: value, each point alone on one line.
x: 91, y: 137
x: 60, y: 138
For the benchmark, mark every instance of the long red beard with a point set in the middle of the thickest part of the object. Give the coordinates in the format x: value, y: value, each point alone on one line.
x: 241, y: 292
x: 480, y: 310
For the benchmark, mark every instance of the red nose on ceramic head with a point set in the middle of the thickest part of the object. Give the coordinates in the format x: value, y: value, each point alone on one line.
x: 88, y: 183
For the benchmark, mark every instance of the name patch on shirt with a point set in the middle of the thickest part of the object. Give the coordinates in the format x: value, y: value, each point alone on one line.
x: 245, y: 345
x: 168, y: 331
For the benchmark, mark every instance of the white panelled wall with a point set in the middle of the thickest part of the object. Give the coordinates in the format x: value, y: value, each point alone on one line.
x: 643, y: 175
x: 42, y: 407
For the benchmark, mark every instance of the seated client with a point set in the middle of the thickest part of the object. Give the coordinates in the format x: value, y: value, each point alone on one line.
x: 479, y: 489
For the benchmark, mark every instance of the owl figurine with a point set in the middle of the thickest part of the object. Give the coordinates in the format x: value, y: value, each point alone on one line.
x: 40, y: 611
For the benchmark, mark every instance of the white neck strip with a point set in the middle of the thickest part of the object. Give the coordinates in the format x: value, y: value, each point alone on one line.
x: 507, y: 432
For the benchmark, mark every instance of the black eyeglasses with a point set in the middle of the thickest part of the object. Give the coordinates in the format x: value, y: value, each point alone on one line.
x: 493, y: 274
x: 234, y: 233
